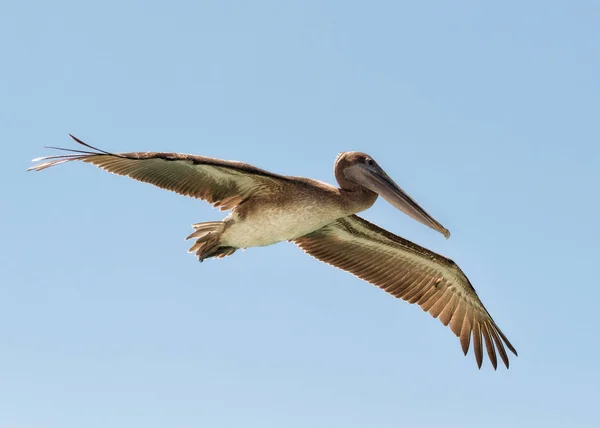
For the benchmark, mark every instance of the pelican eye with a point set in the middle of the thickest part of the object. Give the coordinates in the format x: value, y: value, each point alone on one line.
x: 369, y: 161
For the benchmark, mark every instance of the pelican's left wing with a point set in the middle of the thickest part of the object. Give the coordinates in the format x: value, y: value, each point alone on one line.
x: 413, y: 273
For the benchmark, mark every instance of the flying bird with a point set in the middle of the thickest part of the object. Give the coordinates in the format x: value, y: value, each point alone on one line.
x: 321, y: 219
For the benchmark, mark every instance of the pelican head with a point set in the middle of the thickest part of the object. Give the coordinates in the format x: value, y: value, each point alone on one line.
x: 355, y: 170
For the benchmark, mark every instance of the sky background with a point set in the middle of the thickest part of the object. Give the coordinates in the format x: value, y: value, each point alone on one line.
x: 487, y: 113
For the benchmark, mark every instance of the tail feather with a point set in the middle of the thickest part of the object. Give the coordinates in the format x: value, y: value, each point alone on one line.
x: 204, y: 229
x: 207, y: 244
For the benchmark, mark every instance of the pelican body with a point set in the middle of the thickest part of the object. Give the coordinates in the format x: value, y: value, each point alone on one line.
x: 321, y: 219
x: 300, y: 208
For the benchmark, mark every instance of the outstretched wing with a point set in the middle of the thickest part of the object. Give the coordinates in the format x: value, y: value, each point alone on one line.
x: 224, y: 184
x: 413, y: 273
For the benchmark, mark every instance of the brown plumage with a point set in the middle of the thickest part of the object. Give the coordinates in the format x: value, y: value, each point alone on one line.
x: 224, y: 184
x: 412, y: 273
x: 320, y: 218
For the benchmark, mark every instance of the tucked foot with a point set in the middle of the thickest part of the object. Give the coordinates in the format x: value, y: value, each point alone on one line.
x: 219, y: 253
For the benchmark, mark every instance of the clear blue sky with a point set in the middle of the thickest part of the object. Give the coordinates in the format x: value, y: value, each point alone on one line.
x: 487, y: 114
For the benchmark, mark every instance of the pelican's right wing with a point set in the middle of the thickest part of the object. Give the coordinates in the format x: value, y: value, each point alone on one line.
x: 413, y: 273
x: 225, y: 184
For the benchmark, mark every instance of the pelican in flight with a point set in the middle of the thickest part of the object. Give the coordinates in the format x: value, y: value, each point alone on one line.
x: 321, y: 219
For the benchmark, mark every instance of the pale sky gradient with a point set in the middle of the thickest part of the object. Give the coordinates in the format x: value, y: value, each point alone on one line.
x: 487, y: 113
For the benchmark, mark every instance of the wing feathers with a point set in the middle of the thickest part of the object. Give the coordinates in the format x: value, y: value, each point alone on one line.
x: 465, y: 331
x: 477, y: 348
x: 225, y: 184
x: 412, y: 273
x: 488, y: 344
x: 499, y: 345
x: 457, y: 319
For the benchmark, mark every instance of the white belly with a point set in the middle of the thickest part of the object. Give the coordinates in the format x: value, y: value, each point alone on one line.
x: 274, y: 224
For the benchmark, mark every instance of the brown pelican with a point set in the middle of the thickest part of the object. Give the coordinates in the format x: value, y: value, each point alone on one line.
x: 321, y: 219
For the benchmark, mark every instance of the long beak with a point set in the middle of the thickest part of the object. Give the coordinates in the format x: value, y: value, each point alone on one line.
x: 375, y: 179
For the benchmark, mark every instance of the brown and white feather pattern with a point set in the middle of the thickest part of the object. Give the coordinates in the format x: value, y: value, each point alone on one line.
x: 224, y: 184
x: 413, y: 273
